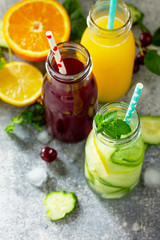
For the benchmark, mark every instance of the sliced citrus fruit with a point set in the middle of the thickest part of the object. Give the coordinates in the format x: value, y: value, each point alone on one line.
x: 25, y: 25
x: 20, y: 83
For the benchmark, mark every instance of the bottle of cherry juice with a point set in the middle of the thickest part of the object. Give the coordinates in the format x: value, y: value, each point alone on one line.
x: 70, y: 101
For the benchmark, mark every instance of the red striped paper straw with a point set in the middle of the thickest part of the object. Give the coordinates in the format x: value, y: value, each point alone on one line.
x: 56, y: 53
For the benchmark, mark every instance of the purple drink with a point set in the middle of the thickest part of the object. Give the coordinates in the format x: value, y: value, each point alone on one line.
x: 70, y: 101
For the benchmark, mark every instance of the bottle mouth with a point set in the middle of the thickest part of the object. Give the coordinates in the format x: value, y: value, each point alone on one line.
x: 70, y: 50
x: 101, y: 8
x: 121, y: 108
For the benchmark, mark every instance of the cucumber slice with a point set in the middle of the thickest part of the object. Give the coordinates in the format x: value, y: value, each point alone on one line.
x: 59, y: 203
x: 3, y: 42
x: 131, y: 157
x: 136, y: 15
x: 150, y: 129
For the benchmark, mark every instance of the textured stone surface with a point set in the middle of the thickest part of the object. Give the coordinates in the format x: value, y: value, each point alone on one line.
x: 22, y: 213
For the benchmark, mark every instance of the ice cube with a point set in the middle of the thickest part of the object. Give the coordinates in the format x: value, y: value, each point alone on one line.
x: 37, y: 176
x: 43, y: 137
x: 152, y: 177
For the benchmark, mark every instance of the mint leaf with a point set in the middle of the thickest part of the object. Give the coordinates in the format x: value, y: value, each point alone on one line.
x: 78, y: 21
x: 10, y: 128
x: 102, y: 121
x: 110, y: 131
x: 98, y: 119
x: 152, y: 62
x: 121, y: 127
x: 27, y: 116
x: 110, y: 116
x: 17, y: 120
x: 111, y: 126
x: 156, y: 37
x: 34, y: 115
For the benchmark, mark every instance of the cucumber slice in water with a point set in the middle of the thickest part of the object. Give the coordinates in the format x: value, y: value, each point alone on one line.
x: 59, y: 203
x: 136, y: 15
x: 3, y: 42
x: 150, y: 129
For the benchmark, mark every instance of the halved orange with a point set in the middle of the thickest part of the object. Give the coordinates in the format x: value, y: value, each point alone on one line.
x: 25, y: 25
x: 20, y: 83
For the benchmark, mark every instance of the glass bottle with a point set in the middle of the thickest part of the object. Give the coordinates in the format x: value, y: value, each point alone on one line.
x: 112, y: 51
x: 70, y: 101
x: 113, y: 166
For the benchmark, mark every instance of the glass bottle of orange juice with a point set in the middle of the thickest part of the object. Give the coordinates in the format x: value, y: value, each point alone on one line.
x: 112, y: 51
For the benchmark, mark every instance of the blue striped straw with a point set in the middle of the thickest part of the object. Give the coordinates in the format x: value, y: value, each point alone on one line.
x: 133, y: 102
x: 112, y: 13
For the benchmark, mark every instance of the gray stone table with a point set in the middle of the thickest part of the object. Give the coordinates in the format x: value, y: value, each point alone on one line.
x: 22, y: 212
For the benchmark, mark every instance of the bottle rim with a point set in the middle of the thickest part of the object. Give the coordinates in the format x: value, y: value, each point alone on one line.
x: 122, y: 141
x: 75, y: 47
x: 106, y: 32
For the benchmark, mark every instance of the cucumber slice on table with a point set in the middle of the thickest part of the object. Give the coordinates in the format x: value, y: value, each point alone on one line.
x: 136, y: 15
x: 150, y: 129
x: 2, y: 40
x: 59, y: 203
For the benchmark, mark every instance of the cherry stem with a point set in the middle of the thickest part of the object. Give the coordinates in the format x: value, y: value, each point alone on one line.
x: 139, y: 45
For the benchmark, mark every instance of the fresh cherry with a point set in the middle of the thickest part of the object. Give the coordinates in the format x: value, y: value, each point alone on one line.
x: 140, y: 57
x: 48, y: 154
x: 136, y: 66
x: 145, y: 39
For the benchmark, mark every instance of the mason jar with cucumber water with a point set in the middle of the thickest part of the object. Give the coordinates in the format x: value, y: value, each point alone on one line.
x: 114, y: 149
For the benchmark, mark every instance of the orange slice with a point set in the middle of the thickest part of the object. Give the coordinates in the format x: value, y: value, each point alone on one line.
x: 20, y: 83
x: 25, y: 25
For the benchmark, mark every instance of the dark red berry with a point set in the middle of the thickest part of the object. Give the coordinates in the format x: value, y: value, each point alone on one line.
x: 48, y: 154
x: 140, y: 57
x: 145, y: 39
x: 136, y: 66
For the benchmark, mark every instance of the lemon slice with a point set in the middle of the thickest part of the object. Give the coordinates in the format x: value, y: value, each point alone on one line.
x: 20, y: 83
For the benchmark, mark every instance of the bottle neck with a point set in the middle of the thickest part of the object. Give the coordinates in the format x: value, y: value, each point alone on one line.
x: 99, y: 11
x: 121, y: 109
x: 70, y: 50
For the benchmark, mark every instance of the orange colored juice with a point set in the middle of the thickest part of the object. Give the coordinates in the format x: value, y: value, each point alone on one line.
x: 113, y: 57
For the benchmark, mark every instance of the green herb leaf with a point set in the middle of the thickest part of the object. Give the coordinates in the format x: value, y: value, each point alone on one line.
x: 17, y: 120
x: 10, y: 128
x: 156, y: 37
x: 98, y: 119
x: 111, y: 126
x: 78, y: 21
x: 122, y: 128
x: 110, y: 116
x: 110, y: 131
x: 34, y: 116
x: 152, y: 62
x: 136, y: 14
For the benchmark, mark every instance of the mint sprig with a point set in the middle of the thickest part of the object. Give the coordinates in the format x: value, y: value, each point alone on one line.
x: 111, y: 126
x: 34, y: 115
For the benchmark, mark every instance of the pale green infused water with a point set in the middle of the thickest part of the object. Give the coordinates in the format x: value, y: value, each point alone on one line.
x: 113, y: 166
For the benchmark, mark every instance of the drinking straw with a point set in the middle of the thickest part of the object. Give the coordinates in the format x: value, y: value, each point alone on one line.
x: 112, y: 12
x: 133, y: 102
x: 56, y: 53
